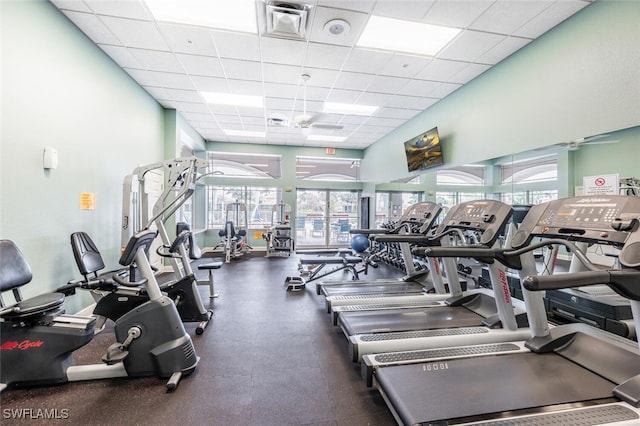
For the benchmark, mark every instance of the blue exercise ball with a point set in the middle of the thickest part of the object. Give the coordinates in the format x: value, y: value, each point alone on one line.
x: 359, y: 243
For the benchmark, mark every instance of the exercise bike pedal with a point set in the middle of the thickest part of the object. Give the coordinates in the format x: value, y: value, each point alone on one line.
x: 115, y: 353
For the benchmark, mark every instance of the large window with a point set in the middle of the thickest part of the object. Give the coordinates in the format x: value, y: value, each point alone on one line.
x: 391, y: 205
x: 450, y: 199
x: 258, y: 202
x: 246, y: 166
x: 472, y: 175
x: 328, y: 169
x: 540, y: 169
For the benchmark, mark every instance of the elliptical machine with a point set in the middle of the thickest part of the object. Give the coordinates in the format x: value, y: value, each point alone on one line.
x: 37, y: 339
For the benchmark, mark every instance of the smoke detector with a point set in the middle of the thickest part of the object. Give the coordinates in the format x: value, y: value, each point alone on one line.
x: 336, y: 28
x: 287, y: 20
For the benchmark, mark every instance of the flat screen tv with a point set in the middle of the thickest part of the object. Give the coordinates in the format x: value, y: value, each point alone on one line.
x: 423, y: 151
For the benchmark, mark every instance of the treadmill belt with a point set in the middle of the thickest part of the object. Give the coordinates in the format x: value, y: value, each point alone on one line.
x: 412, y: 319
x: 371, y: 288
x: 439, y: 391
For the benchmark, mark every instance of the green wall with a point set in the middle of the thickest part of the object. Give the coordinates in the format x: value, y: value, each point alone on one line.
x: 579, y: 79
x: 60, y: 90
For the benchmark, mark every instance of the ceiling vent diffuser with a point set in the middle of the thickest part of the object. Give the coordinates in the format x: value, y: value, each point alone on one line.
x: 287, y: 20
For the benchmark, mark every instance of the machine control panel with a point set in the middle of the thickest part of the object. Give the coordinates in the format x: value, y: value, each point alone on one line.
x: 611, y: 219
x: 487, y: 216
x: 421, y: 213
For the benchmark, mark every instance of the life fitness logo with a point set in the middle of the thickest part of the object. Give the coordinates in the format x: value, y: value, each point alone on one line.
x: 505, y: 285
x: 22, y: 346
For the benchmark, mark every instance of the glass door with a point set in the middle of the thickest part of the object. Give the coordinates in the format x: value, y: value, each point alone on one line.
x: 324, y: 217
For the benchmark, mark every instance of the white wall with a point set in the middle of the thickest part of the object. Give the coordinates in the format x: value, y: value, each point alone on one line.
x: 60, y: 90
x: 579, y: 79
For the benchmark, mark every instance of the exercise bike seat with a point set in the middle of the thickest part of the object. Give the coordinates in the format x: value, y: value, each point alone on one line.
x: 88, y: 257
x: 16, y: 272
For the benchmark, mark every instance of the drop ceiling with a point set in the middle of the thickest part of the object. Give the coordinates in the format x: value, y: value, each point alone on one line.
x: 175, y: 62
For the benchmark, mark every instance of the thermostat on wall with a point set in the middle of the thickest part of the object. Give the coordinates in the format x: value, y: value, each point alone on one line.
x: 50, y: 159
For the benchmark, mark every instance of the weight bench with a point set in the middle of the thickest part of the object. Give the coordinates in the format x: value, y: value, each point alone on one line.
x: 341, y: 259
x: 210, y: 267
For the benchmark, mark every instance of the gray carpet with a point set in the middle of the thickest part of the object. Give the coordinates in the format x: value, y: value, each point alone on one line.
x: 268, y: 357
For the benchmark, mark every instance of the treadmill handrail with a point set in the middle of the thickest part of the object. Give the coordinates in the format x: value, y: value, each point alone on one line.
x: 424, y: 240
x: 624, y: 282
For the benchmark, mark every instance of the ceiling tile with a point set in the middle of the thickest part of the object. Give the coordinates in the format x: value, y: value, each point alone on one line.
x: 413, y: 102
x: 470, y: 45
x: 550, y: 17
x: 506, y: 16
x: 183, y: 95
x: 242, y: 70
x: 386, y: 122
x: 367, y: 61
x: 378, y: 99
x: 237, y: 45
x: 418, y: 88
x: 185, y: 107
x: 93, y: 27
x: 444, y: 89
x: 320, y: 77
x: 322, y: 15
x: 353, y: 81
x: 172, y: 80
x: 210, y: 84
x: 122, y: 56
x: 278, y: 103
x: 287, y: 74
x: 245, y: 87
x: 441, y: 70
x: 278, y: 90
x: 468, y: 73
x: 343, y: 96
x: 282, y: 51
x: 357, y: 5
x: 326, y: 56
x: 156, y: 61
x: 200, y: 117
x: 396, y: 113
x: 458, y: 13
x: 224, y: 119
x: 122, y: 8
x: 201, y: 65
x: 185, y: 39
x: 411, y: 10
x: 503, y: 49
x: 135, y: 33
x: 159, y: 93
x: 406, y: 66
x: 384, y: 84
x: 71, y: 5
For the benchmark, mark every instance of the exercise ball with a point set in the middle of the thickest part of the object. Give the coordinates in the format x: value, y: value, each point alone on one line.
x: 359, y: 243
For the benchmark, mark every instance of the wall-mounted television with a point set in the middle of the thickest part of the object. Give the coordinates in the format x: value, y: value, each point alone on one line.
x: 423, y: 151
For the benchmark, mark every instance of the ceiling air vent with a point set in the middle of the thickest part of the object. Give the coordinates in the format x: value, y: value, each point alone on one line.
x: 287, y: 20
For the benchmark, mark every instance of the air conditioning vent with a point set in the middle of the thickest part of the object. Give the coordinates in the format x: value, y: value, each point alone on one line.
x: 288, y: 20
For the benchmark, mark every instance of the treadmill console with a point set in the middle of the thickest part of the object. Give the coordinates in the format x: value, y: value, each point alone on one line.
x: 422, y: 213
x: 609, y: 219
x: 487, y: 216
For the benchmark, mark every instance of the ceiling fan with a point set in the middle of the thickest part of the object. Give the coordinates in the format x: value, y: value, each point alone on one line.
x: 589, y: 140
x: 306, y: 121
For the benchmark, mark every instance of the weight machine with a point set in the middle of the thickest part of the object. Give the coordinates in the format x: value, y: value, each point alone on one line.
x: 278, y: 237
x: 233, y: 238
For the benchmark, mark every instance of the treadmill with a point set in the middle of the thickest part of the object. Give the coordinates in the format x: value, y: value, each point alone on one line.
x: 572, y: 374
x: 473, y: 318
x: 418, y: 219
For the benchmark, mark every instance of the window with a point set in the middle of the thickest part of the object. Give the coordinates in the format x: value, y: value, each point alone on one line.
x: 529, y: 197
x: 391, y: 205
x: 257, y: 200
x: 538, y: 169
x: 246, y: 166
x: 462, y: 175
x: 328, y: 169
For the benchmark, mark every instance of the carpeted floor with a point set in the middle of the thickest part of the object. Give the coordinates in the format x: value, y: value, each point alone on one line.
x: 269, y: 357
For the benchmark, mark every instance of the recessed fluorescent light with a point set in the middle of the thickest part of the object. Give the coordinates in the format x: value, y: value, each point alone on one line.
x: 351, y: 109
x: 326, y: 138
x: 232, y: 99
x: 405, y: 36
x: 247, y: 133
x: 256, y: 165
x: 236, y: 15
x: 306, y: 165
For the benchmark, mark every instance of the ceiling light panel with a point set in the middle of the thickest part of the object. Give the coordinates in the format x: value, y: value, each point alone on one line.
x: 236, y: 15
x: 405, y: 36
